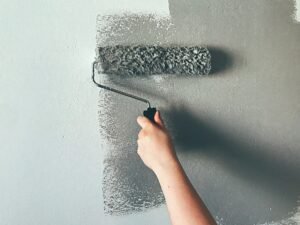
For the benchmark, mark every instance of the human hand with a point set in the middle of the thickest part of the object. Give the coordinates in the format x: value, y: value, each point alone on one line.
x: 154, y: 144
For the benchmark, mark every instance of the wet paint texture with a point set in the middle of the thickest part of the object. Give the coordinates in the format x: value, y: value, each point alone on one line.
x: 143, y: 60
x: 128, y: 186
x: 235, y: 132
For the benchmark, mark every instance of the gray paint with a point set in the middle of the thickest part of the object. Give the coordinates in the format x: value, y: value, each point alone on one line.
x: 143, y: 60
x: 232, y: 130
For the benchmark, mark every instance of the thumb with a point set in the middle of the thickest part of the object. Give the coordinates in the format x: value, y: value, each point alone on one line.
x: 143, y: 121
x: 158, y: 119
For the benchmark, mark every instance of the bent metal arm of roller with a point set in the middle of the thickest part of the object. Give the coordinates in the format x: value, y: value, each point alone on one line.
x: 117, y: 91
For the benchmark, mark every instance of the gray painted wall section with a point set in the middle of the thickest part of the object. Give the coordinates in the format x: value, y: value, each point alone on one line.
x: 236, y: 131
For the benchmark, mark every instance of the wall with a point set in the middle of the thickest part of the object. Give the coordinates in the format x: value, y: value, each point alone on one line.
x: 236, y: 132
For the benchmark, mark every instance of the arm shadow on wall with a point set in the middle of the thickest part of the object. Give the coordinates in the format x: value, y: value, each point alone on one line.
x: 250, y: 163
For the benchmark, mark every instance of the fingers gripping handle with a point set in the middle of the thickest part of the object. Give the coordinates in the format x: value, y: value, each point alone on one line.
x: 149, y: 113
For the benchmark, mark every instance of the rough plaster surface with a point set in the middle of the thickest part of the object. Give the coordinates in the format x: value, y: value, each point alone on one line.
x: 236, y: 131
x: 144, y: 60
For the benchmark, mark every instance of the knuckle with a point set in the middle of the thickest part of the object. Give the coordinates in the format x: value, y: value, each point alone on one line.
x: 141, y: 134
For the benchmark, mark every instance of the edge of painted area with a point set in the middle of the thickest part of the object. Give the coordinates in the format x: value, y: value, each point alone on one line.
x: 296, y: 13
x: 157, y: 7
x: 293, y: 220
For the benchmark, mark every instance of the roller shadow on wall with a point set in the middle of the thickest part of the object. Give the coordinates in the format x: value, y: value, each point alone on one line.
x: 221, y: 60
x: 250, y: 163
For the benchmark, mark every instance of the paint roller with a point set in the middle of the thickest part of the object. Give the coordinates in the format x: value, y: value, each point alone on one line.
x: 140, y: 60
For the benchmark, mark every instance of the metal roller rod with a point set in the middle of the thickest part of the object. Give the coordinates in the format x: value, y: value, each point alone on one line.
x: 115, y: 90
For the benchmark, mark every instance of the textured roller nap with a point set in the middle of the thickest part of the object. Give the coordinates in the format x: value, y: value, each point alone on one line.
x: 147, y: 60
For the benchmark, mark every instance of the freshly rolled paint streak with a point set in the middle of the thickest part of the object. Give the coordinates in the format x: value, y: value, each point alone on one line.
x: 295, y: 218
x: 128, y: 186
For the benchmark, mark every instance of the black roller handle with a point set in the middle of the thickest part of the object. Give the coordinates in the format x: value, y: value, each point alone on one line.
x: 149, y: 113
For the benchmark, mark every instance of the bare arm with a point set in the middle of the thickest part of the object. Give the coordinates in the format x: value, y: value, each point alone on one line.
x: 156, y: 150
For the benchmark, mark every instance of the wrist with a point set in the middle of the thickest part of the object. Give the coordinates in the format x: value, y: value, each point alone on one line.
x: 167, y: 168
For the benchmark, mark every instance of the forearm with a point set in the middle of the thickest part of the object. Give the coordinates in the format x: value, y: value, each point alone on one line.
x: 156, y: 150
x: 184, y: 204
